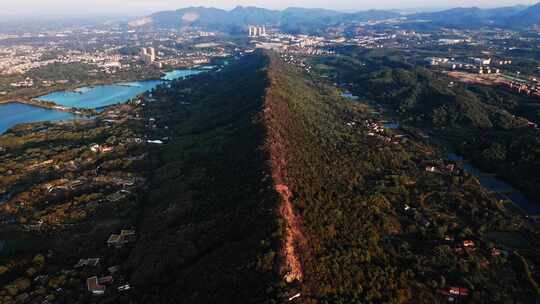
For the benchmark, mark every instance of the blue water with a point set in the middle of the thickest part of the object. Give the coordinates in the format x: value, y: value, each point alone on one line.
x: 12, y: 114
x: 102, y: 95
x: 106, y: 95
x: 177, y: 74
x: 87, y: 97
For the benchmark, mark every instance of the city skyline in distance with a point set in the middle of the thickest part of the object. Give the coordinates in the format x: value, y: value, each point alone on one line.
x: 142, y: 7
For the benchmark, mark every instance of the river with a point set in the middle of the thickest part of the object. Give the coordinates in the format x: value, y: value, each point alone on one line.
x: 502, y: 189
x: 94, y: 97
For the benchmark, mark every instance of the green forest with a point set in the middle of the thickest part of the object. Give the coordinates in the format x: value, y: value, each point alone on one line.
x: 371, y: 214
x: 483, y: 123
x: 209, y: 224
x: 379, y: 227
x: 382, y: 229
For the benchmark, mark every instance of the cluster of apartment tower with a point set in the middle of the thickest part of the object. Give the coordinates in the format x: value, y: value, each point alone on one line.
x: 148, y: 55
x: 257, y: 31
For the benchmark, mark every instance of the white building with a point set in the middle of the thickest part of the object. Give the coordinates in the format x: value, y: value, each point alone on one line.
x: 148, y: 55
x: 257, y: 31
x: 482, y: 61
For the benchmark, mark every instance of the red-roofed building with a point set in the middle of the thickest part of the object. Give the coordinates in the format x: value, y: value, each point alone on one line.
x: 455, y: 291
x: 468, y: 243
x: 94, y: 287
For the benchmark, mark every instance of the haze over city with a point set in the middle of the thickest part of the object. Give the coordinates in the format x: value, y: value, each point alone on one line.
x: 137, y: 7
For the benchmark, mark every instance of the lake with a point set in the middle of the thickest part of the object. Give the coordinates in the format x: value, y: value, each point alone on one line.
x: 12, y: 114
x: 87, y: 97
x: 105, y: 95
x: 100, y: 96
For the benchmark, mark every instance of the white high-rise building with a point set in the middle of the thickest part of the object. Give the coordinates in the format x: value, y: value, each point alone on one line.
x: 257, y: 31
x: 152, y: 53
x: 148, y: 55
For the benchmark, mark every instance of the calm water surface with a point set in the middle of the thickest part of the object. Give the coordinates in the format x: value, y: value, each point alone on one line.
x: 12, y: 114
x: 100, y: 96
x: 86, y: 97
x: 106, y: 95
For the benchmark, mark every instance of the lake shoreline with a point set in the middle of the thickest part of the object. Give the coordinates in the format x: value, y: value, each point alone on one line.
x: 99, y: 96
x: 31, y: 99
x: 50, y: 106
x: 34, y: 101
x: 70, y: 87
x: 89, y: 99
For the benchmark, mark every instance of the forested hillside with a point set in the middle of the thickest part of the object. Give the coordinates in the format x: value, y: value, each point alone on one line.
x: 379, y: 227
x: 486, y: 124
x: 272, y: 185
x: 208, y: 223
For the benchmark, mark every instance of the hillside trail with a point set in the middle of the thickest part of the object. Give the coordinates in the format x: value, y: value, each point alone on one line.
x: 294, y: 244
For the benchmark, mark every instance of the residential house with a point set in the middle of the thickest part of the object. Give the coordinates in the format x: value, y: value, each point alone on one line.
x: 468, y: 244
x: 119, y: 240
x: 94, y: 287
x: 105, y: 280
x: 87, y: 262
x: 455, y: 291
x: 431, y: 169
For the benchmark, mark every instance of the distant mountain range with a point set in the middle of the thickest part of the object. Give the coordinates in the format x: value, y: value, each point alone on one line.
x: 292, y: 19
x: 473, y: 17
x: 526, y: 17
x: 302, y: 20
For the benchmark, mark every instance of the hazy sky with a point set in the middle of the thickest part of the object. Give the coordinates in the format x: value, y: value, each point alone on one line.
x: 110, y: 7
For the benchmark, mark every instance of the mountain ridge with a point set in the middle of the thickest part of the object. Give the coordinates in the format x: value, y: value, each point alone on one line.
x: 298, y: 19
x: 529, y: 16
x: 238, y: 18
x: 473, y: 17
